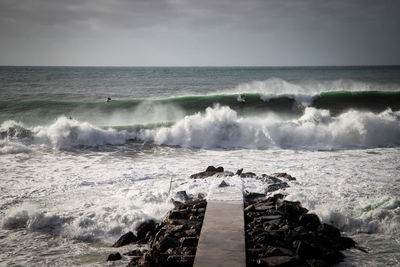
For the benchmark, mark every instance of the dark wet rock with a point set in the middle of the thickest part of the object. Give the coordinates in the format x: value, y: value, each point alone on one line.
x: 191, y: 232
x: 306, y: 250
x: 114, y: 257
x: 279, y: 251
x: 178, y: 214
x: 223, y: 184
x: 144, y: 228
x: 213, y: 169
x: 136, y: 252
x: 343, y: 242
x: 210, y: 171
x: 239, y: 172
x: 252, y: 196
x: 317, y: 263
x: 248, y: 175
x: 228, y: 173
x: 284, y: 175
x: 282, y: 233
x: 172, y: 242
x: 293, y: 209
x: 189, y: 241
x: 310, y: 221
x: 125, y: 239
x: 277, y: 261
x: 275, y: 187
x: 328, y: 230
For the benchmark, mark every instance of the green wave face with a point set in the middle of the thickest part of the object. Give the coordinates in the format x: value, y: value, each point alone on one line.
x: 155, y: 111
x: 375, y: 101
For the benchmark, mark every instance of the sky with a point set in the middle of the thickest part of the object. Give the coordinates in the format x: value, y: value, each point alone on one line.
x: 199, y: 32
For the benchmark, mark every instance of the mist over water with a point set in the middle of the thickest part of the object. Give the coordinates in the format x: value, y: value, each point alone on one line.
x: 76, y: 171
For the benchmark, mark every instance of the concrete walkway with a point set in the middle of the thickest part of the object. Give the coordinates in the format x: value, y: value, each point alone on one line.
x: 222, y: 240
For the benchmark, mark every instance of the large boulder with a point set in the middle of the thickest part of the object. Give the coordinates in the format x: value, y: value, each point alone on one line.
x: 125, y: 240
x: 284, y: 175
x: 114, y: 257
x: 210, y: 171
x: 144, y: 228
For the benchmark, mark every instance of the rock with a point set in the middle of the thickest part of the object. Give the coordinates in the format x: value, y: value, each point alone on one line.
x: 293, y: 209
x: 284, y: 175
x: 305, y: 250
x: 210, y: 171
x: 223, y: 184
x: 282, y: 233
x: 328, y: 230
x: 317, y: 263
x: 239, y: 172
x: 177, y: 204
x: 253, y: 196
x: 200, y: 196
x: 343, y: 242
x: 263, y: 207
x: 167, y: 242
x: 278, y: 251
x: 182, y: 195
x: 272, y: 179
x: 310, y: 221
x: 125, y: 240
x: 277, y: 261
x: 189, y: 241
x: 178, y: 214
x: 250, y: 208
x: 248, y: 175
x: 191, y: 232
x: 114, y: 257
x: 275, y: 187
x: 213, y: 169
x: 144, y: 228
x: 136, y: 252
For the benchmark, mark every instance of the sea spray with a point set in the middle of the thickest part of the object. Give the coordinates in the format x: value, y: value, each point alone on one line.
x: 66, y: 133
x: 221, y: 127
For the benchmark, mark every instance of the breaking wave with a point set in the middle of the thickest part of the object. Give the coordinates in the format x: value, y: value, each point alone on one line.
x: 220, y: 127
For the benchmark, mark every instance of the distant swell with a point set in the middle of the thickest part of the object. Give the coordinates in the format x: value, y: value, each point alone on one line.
x: 143, y: 111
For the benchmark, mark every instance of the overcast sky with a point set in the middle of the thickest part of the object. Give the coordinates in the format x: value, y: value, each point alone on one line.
x: 199, y: 32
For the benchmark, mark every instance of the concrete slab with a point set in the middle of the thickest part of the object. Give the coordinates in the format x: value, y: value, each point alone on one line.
x: 222, y: 240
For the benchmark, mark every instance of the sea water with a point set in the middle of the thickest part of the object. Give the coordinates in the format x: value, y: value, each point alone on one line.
x: 76, y: 171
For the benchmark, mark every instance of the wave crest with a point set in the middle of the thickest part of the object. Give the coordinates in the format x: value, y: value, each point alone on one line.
x: 66, y: 133
x: 220, y: 127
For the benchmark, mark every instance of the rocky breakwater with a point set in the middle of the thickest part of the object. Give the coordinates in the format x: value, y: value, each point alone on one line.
x: 171, y: 242
x: 283, y: 233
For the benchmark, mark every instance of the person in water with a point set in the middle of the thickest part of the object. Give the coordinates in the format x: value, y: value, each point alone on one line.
x: 241, y: 98
x: 108, y: 99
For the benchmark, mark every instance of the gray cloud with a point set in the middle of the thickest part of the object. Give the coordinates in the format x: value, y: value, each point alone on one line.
x: 170, y: 32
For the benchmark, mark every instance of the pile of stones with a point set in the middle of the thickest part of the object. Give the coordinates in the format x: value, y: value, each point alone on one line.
x: 283, y: 233
x: 172, y: 242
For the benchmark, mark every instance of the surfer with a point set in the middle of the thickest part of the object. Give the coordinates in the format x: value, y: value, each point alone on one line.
x: 108, y: 99
x: 241, y: 98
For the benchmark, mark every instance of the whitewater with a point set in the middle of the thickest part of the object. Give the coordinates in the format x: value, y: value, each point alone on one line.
x: 76, y: 171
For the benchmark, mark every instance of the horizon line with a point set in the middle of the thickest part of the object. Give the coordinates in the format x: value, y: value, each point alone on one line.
x: 204, y: 66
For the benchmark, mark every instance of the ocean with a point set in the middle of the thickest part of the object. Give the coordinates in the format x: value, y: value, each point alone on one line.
x: 77, y: 171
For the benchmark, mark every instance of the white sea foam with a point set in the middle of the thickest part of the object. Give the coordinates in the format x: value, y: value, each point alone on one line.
x: 304, y: 92
x: 66, y: 133
x: 221, y: 127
